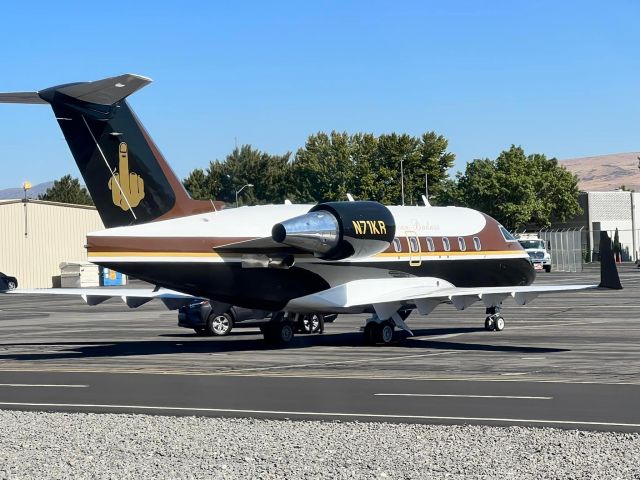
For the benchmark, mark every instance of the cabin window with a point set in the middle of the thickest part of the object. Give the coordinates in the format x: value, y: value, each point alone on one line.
x: 397, y: 246
x: 507, y: 236
x: 462, y: 244
x: 413, y: 244
x: 476, y: 243
x: 430, y: 246
x: 446, y: 244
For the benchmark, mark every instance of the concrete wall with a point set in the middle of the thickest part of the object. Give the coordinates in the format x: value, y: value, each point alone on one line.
x: 55, y: 233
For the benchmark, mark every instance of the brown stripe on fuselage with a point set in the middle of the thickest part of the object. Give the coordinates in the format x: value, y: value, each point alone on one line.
x: 160, y: 244
x: 491, y: 240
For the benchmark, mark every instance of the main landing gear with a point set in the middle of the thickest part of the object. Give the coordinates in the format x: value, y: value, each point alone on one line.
x: 494, y: 320
x: 279, y: 331
x: 378, y: 331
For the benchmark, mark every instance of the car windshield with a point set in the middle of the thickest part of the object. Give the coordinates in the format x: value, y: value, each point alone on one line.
x: 527, y: 244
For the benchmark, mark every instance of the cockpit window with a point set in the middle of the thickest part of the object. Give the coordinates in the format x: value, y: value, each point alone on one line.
x: 507, y: 236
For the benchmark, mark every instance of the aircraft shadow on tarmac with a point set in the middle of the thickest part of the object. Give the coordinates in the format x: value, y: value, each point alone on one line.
x: 195, y: 344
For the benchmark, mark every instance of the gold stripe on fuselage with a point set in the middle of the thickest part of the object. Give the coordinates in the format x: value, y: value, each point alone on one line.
x: 389, y: 255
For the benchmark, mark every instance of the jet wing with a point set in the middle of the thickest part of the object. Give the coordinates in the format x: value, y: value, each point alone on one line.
x: 133, y: 297
x: 388, y: 295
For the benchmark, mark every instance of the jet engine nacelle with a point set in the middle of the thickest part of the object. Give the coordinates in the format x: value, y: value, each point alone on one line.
x: 338, y: 230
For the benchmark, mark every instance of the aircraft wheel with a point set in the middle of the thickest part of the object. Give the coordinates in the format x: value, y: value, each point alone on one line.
x: 280, y: 333
x: 498, y: 323
x: 369, y: 334
x: 310, y: 323
x: 385, y: 332
x: 489, y: 323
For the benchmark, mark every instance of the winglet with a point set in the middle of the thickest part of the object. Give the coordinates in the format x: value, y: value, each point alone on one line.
x: 609, y: 277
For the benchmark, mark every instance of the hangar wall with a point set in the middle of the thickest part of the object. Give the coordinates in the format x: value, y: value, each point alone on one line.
x: 55, y: 233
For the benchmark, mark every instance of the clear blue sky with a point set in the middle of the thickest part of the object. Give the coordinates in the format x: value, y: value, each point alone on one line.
x: 561, y: 78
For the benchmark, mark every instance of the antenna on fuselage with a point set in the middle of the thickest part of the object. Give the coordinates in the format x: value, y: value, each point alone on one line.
x: 350, y: 197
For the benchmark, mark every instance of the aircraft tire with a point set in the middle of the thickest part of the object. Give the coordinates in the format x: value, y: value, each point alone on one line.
x: 385, y: 332
x: 280, y: 333
x: 370, y: 333
x: 309, y: 323
x: 498, y: 323
x: 488, y: 323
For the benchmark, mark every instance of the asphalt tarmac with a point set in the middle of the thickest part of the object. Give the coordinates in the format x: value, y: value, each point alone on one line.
x: 566, y: 360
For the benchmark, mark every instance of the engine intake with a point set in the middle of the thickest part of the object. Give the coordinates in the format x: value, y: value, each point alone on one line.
x: 338, y: 230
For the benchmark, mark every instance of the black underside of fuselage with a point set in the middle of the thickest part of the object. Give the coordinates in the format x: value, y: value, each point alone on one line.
x: 271, y: 289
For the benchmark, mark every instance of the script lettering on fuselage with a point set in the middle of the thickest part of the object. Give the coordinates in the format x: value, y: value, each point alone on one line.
x: 369, y: 227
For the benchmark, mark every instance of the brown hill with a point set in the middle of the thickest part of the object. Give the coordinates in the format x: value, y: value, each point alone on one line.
x: 606, y: 172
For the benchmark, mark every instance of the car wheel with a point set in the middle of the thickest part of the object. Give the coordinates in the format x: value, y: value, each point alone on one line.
x: 219, y: 325
x: 547, y: 268
x: 12, y: 284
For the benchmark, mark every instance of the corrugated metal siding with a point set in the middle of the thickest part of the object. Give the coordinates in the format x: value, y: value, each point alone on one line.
x: 55, y: 233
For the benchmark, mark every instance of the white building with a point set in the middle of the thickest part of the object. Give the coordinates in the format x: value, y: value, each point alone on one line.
x: 608, y: 211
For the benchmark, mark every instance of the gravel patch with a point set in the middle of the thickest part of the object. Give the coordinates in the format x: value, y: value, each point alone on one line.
x: 37, y: 445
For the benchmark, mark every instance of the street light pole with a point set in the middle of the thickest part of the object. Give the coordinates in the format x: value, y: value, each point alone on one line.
x: 238, y: 191
x: 402, y: 178
x: 26, y: 186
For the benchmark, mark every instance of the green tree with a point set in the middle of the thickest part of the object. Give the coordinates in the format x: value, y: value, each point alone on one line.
x: 517, y: 189
x: 331, y: 165
x: 269, y: 174
x: 67, y: 190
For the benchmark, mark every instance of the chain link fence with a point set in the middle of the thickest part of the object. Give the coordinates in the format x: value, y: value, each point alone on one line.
x: 565, y: 247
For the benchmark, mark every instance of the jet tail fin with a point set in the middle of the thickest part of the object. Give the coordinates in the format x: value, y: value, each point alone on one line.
x: 609, y: 277
x: 129, y: 180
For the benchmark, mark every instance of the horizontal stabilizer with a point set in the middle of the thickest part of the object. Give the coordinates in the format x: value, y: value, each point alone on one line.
x: 21, y: 97
x: 107, y: 91
x: 101, y: 92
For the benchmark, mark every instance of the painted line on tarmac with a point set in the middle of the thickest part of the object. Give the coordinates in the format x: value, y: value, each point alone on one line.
x: 325, y: 364
x: 319, y: 414
x: 43, y: 385
x: 510, y: 397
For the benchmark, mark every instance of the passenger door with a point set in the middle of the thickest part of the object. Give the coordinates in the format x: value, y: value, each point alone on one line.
x: 415, y: 250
